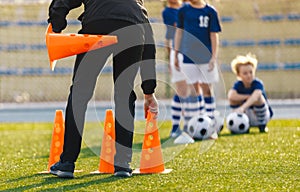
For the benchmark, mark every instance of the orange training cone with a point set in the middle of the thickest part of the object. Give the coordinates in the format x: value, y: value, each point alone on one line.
x: 151, y: 158
x: 57, y: 138
x: 64, y: 45
x: 57, y: 141
x: 108, y: 150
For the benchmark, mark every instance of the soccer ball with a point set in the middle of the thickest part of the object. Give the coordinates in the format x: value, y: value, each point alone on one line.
x: 218, y: 123
x: 237, y: 122
x: 200, y: 127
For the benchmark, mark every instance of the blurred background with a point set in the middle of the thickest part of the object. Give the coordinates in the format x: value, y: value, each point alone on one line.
x: 268, y: 28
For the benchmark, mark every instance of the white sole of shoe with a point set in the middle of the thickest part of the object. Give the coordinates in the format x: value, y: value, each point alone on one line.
x: 62, y: 174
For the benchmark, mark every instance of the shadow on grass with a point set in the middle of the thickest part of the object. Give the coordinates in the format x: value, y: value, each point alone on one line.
x: 97, y: 181
x: 54, y: 181
x: 25, y: 187
x: 87, y: 152
x: 252, y: 132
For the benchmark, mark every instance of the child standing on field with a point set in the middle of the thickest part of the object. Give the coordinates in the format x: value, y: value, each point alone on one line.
x: 180, y: 98
x: 248, y: 93
x: 198, y: 40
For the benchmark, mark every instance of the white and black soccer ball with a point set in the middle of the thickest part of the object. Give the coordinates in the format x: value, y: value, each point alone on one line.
x: 200, y: 127
x: 218, y: 123
x: 237, y: 123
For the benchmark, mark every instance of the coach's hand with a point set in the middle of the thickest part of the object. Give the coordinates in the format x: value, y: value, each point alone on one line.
x: 58, y: 24
x: 150, y: 103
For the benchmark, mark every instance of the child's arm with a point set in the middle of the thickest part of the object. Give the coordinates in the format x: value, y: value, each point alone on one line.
x: 235, y: 98
x: 168, y: 45
x: 178, y: 36
x: 253, y: 98
x: 214, y: 38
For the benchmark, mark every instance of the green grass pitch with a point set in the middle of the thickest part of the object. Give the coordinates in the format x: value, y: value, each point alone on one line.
x: 249, y: 162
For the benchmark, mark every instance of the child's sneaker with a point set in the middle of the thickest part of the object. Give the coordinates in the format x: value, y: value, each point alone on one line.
x: 63, y: 170
x: 175, y: 133
x: 263, y: 129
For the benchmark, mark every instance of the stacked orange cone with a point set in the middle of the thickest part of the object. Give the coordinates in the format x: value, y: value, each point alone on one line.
x: 64, y: 45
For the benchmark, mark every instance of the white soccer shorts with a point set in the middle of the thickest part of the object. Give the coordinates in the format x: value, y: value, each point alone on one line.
x: 199, y: 73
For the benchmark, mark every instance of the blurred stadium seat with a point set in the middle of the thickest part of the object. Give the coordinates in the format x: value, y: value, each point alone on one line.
x: 269, y: 42
x: 243, y: 43
x: 226, y: 19
x: 267, y: 66
x: 292, y: 66
x: 292, y: 41
x: 276, y: 17
x: 293, y: 16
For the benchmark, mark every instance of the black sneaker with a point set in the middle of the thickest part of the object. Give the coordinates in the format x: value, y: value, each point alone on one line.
x: 122, y: 172
x: 63, y: 170
x: 263, y: 129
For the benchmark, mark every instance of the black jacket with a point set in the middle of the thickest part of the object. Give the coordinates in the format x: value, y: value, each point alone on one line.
x: 126, y: 10
x: 129, y: 10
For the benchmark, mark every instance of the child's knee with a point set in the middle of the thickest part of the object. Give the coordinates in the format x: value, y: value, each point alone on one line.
x: 260, y: 101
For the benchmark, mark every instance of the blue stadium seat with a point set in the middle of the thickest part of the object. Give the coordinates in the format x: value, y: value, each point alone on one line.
x: 293, y: 17
x: 41, y: 23
x: 73, y: 22
x: 15, y: 47
x: 269, y: 42
x: 107, y: 69
x: 62, y: 71
x: 243, y: 43
x: 37, y: 46
x: 292, y: 42
x: 267, y: 66
x: 8, y: 71
x: 24, y: 23
x: 4, y: 23
x: 225, y: 43
x: 160, y: 44
x: 226, y: 19
x: 32, y: 71
x: 272, y: 17
x: 291, y: 66
x: 225, y: 67
x: 154, y: 20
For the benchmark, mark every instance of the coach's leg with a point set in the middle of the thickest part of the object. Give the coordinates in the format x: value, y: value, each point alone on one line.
x: 124, y: 98
x: 86, y: 70
x: 126, y: 62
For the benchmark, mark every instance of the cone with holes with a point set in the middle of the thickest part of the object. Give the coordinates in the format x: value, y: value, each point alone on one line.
x: 151, y: 157
x: 108, y: 150
x: 63, y: 45
x: 57, y: 141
